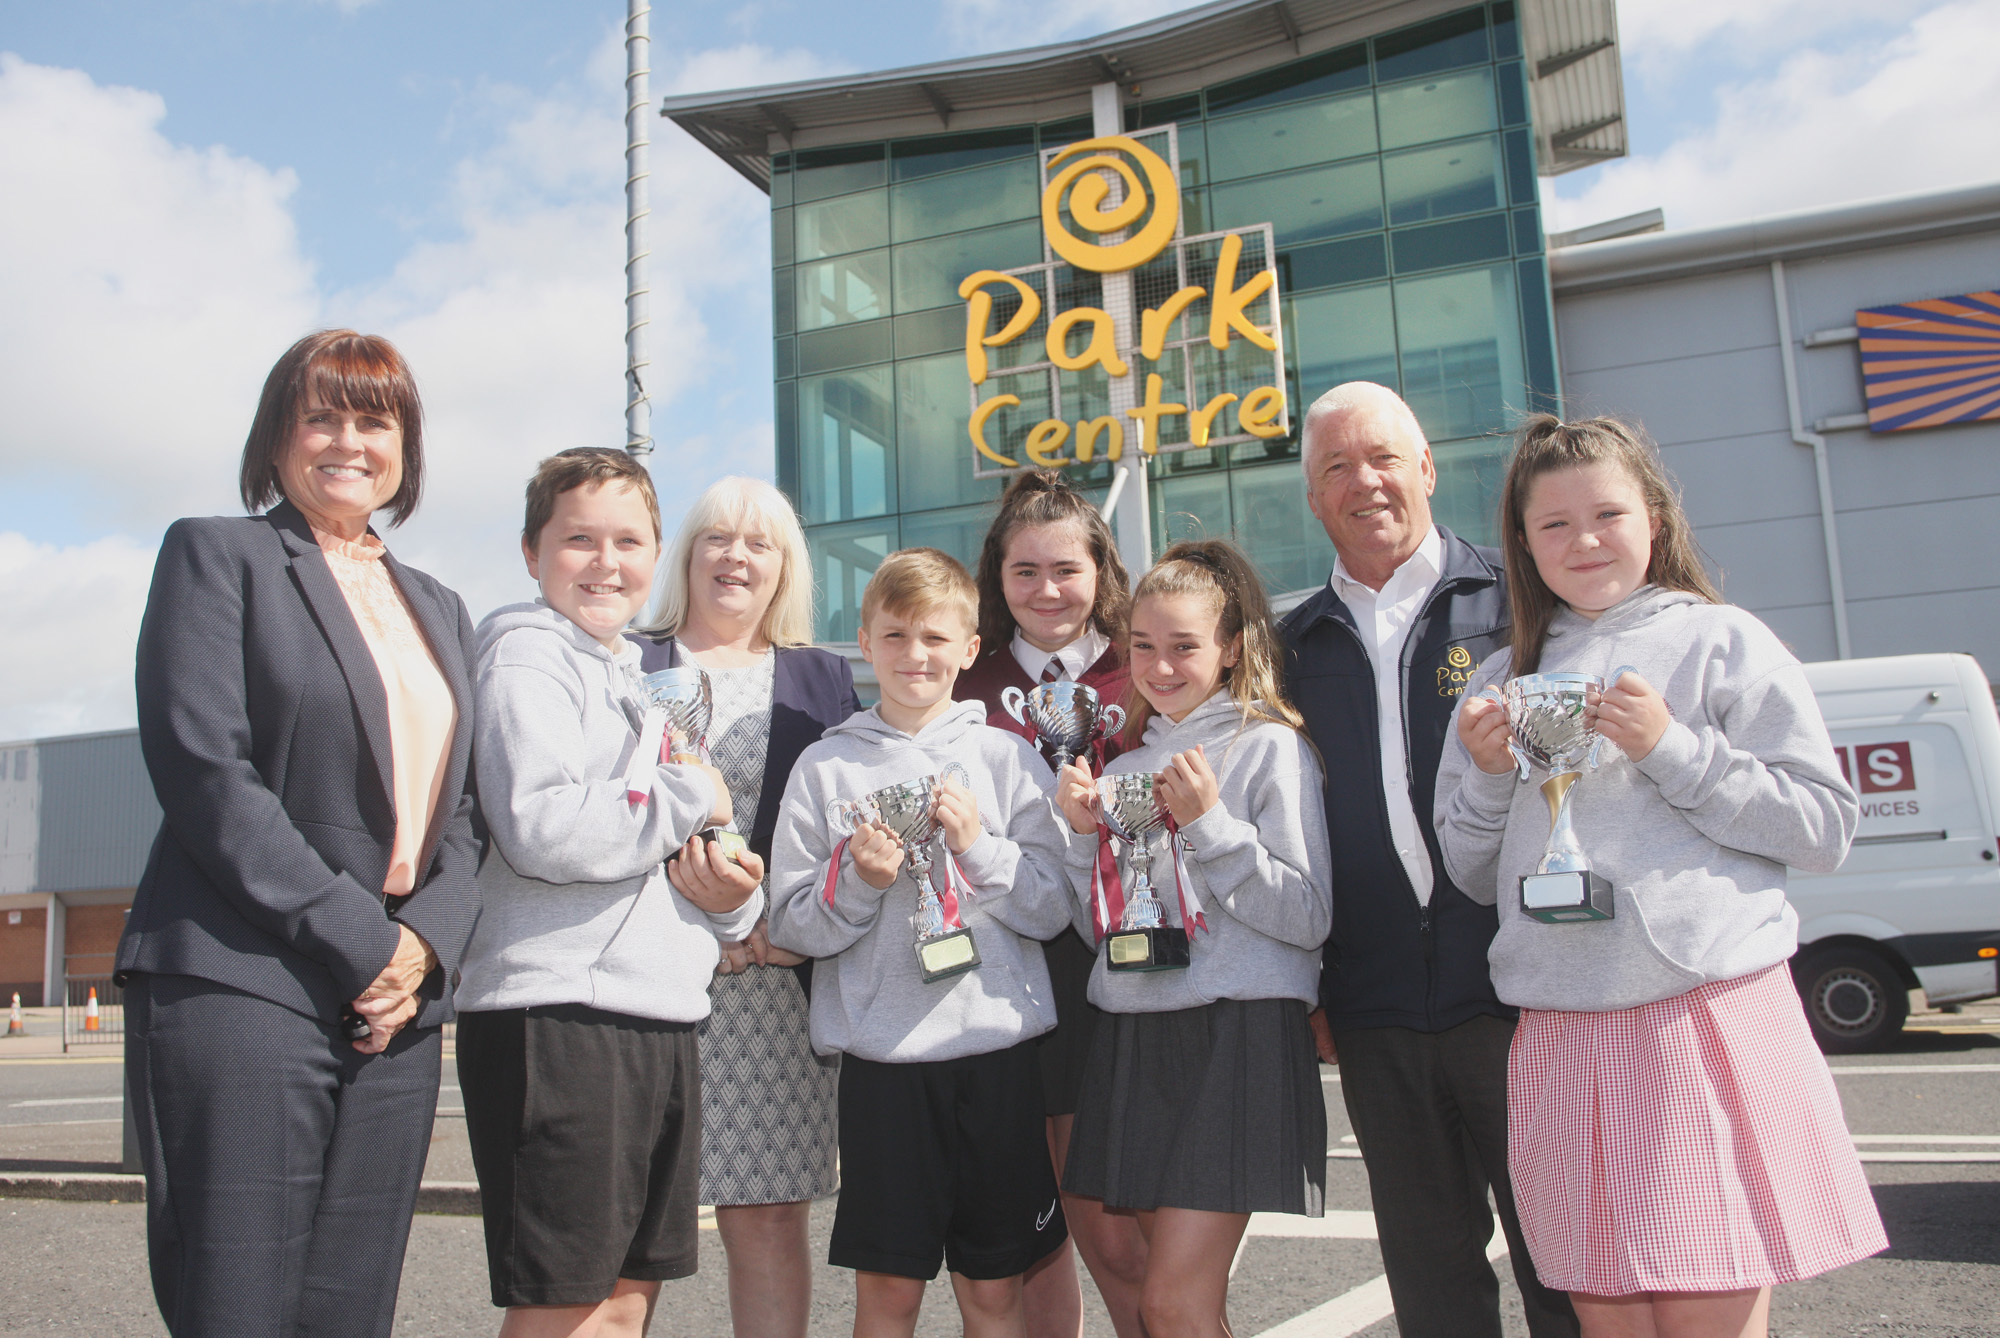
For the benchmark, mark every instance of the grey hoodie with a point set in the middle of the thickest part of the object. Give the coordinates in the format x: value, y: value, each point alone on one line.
x: 577, y: 908
x: 1694, y: 837
x: 869, y: 997
x: 1258, y: 863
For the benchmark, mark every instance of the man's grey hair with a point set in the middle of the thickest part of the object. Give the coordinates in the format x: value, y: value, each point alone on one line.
x: 1348, y: 397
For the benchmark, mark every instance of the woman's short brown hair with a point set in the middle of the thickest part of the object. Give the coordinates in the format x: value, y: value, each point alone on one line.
x: 342, y: 370
x: 583, y: 467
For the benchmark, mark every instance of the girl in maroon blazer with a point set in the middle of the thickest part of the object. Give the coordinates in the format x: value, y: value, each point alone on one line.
x: 1053, y: 602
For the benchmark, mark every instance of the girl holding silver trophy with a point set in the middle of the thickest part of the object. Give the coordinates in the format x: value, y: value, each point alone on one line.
x: 1053, y: 599
x: 1201, y: 1100
x: 1676, y: 1142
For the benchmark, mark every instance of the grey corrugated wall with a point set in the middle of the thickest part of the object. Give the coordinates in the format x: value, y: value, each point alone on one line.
x: 98, y: 815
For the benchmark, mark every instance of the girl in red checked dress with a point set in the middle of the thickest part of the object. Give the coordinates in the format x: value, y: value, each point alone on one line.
x: 1676, y: 1143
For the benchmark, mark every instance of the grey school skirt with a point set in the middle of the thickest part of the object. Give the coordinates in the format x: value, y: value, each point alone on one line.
x: 1217, y: 1108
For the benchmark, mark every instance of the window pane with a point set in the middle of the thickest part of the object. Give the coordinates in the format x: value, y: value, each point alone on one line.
x: 931, y: 331
x: 846, y: 451
x: 961, y: 200
x: 1286, y: 543
x: 1442, y: 245
x: 1467, y: 501
x: 1163, y: 111
x: 1316, y: 76
x: 1318, y: 202
x: 1461, y: 350
x: 818, y: 173
x: 958, y: 532
x: 1441, y: 108
x: 933, y: 452
x: 1458, y: 178
x: 782, y: 293
x: 844, y: 346
x: 1195, y: 507
x: 912, y: 158
x: 848, y: 223
x: 844, y: 557
x: 1007, y: 427
x: 853, y: 288
x: 1455, y: 39
x: 1332, y: 263
x: 928, y: 273
x: 1270, y: 141
x: 781, y: 238
x: 1339, y: 337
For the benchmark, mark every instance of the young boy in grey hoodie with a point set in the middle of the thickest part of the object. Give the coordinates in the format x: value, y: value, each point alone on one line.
x: 942, y: 1149
x: 589, y: 968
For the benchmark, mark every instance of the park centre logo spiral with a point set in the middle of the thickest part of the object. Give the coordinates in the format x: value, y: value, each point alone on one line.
x: 1084, y: 179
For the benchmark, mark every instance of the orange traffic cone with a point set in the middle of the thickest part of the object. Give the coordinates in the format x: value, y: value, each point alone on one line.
x: 90, y: 1011
x: 15, y: 1026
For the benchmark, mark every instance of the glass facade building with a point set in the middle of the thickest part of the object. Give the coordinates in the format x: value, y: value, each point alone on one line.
x: 1398, y: 173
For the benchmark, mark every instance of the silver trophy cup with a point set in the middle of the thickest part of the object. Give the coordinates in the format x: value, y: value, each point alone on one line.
x: 1143, y: 941
x: 1065, y: 715
x: 683, y: 693
x: 909, y: 810
x: 1549, y: 725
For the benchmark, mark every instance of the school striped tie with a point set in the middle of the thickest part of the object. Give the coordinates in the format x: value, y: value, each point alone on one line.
x: 1053, y: 671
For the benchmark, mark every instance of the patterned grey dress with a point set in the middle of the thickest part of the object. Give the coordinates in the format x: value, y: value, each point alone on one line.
x: 768, y: 1103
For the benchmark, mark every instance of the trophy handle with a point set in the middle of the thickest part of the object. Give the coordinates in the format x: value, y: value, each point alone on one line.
x: 1111, y: 719
x: 1015, y: 701
x: 1492, y: 693
x: 956, y: 771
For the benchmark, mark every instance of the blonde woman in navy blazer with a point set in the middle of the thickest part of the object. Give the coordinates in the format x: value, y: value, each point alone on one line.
x: 306, y: 716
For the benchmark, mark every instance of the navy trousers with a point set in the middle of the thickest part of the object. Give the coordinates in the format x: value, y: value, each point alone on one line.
x: 282, y: 1165
x: 1430, y: 1112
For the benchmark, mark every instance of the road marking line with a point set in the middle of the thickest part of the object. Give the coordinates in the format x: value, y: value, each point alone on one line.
x: 1843, y: 1070
x: 72, y: 1101
x: 1338, y: 1224
x: 1925, y: 1138
x: 1356, y: 1309
x: 1329, y: 1077
x: 45, y: 1124
x: 1351, y: 1154
x: 1934, y: 1158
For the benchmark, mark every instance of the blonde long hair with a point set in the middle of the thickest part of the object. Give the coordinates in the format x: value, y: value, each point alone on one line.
x: 752, y: 506
x: 1546, y: 443
x: 1217, y: 570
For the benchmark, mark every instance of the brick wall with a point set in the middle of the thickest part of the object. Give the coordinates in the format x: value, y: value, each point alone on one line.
x: 21, y: 948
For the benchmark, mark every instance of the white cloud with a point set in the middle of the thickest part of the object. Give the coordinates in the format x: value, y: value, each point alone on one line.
x: 165, y: 279
x: 1007, y: 25
x: 1828, y: 125
x: 746, y: 66
x: 147, y: 287
x: 1655, y: 33
x: 72, y: 615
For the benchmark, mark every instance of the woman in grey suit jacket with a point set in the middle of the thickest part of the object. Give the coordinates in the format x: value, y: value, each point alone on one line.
x: 306, y: 716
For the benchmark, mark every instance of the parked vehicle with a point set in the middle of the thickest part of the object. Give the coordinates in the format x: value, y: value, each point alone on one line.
x: 1916, y: 905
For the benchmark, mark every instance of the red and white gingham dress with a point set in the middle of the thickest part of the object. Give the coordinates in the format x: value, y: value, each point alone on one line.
x: 1695, y: 1144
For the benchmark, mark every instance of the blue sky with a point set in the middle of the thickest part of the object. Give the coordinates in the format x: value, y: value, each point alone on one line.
x: 190, y: 184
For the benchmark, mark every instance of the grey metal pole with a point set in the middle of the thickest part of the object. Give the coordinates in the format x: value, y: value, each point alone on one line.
x: 638, y: 110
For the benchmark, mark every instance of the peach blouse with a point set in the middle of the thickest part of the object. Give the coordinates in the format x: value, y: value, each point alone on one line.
x: 422, y: 713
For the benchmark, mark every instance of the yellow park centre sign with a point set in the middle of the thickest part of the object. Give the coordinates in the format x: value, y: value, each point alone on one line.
x: 1184, y: 341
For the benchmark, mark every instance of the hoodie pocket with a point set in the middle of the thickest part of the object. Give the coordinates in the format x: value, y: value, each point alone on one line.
x: 1629, y: 905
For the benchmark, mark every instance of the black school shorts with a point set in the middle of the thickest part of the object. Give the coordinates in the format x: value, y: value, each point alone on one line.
x: 945, y: 1160
x: 586, y: 1135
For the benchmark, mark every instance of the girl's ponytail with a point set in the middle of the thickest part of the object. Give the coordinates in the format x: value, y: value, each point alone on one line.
x: 1035, y: 498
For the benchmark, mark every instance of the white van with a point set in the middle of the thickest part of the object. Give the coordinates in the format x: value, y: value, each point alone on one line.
x: 1917, y: 904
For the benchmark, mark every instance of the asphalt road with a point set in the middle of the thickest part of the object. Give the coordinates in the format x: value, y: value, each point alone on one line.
x: 1923, y: 1117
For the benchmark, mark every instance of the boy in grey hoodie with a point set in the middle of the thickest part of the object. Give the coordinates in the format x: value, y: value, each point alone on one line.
x: 942, y: 1149
x: 589, y: 968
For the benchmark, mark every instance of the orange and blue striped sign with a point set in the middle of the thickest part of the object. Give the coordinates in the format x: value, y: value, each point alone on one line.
x: 1927, y: 363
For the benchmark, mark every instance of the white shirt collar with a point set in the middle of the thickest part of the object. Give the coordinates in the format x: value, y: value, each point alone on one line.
x: 1426, y: 564
x: 1075, y: 658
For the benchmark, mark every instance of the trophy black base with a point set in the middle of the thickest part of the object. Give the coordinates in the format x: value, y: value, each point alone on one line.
x: 1565, y: 898
x: 1162, y: 948
x: 947, y: 955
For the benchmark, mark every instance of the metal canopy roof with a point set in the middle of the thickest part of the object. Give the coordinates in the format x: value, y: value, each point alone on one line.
x: 1571, y: 48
